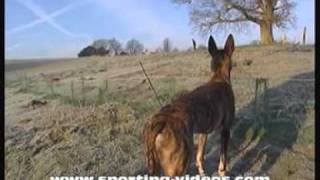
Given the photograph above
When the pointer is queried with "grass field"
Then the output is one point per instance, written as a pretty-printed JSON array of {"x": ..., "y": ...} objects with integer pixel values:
[{"x": 97, "y": 107}]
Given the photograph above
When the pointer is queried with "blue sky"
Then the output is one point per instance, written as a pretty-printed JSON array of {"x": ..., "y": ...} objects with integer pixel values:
[{"x": 61, "y": 28}]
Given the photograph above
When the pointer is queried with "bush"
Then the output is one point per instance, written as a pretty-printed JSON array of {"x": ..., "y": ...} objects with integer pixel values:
[
  {"x": 102, "y": 51},
  {"x": 87, "y": 51}
]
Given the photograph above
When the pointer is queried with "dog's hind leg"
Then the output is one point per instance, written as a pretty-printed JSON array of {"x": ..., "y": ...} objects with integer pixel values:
[
  {"x": 225, "y": 136},
  {"x": 202, "y": 140}
]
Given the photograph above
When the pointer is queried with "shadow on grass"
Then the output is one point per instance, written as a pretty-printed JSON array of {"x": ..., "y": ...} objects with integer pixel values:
[{"x": 264, "y": 142}]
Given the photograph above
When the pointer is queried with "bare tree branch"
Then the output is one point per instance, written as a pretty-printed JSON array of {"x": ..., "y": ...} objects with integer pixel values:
[
  {"x": 246, "y": 11},
  {"x": 207, "y": 15}
]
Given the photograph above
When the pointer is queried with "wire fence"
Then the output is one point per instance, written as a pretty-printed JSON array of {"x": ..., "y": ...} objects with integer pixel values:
[
  {"x": 265, "y": 99},
  {"x": 258, "y": 99}
]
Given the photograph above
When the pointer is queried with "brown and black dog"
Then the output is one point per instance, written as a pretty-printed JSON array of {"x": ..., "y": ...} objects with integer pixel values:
[{"x": 169, "y": 133}]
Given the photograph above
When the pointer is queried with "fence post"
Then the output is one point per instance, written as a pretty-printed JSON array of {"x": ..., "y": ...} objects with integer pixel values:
[
  {"x": 82, "y": 90},
  {"x": 304, "y": 35},
  {"x": 194, "y": 45},
  {"x": 106, "y": 84},
  {"x": 260, "y": 99},
  {"x": 100, "y": 96},
  {"x": 72, "y": 91},
  {"x": 50, "y": 84}
]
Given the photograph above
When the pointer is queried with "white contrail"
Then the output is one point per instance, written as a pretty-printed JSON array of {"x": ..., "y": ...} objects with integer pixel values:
[
  {"x": 45, "y": 18},
  {"x": 42, "y": 20}
]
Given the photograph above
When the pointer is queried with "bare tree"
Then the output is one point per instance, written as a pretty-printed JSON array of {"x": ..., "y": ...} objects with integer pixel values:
[
  {"x": 101, "y": 43},
  {"x": 167, "y": 45},
  {"x": 236, "y": 14},
  {"x": 134, "y": 47},
  {"x": 115, "y": 45},
  {"x": 108, "y": 44}
]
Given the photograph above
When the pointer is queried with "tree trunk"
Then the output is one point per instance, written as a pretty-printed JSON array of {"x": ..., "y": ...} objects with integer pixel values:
[{"x": 266, "y": 33}]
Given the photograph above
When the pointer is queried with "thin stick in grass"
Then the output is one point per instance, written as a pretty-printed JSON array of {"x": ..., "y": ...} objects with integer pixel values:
[{"x": 154, "y": 91}]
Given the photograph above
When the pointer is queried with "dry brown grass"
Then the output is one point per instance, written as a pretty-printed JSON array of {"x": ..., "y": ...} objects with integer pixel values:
[
  {"x": 76, "y": 140},
  {"x": 67, "y": 137}
]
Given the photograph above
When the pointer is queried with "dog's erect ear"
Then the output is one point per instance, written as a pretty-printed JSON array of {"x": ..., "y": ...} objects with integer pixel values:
[
  {"x": 229, "y": 46},
  {"x": 212, "y": 48}
]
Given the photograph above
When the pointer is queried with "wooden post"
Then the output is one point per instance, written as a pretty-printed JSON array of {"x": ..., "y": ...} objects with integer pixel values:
[
  {"x": 260, "y": 99},
  {"x": 304, "y": 35},
  {"x": 100, "y": 96},
  {"x": 106, "y": 85},
  {"x": 82, "y": 90},
  {"x": 194, "y": 44},
  {"x": 72, "y": 91},
  {"x": 51, "y": 88}
]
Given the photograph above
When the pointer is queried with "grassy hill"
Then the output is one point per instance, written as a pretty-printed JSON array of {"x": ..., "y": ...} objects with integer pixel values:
[{"x": 95, "y": 110}]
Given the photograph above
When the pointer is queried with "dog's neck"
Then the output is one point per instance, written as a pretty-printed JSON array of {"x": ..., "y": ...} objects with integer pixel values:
[{"x": 220, "y": 77}]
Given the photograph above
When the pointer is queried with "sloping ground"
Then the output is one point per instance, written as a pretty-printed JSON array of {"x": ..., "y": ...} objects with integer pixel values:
[{"x": 103, "y": 135}]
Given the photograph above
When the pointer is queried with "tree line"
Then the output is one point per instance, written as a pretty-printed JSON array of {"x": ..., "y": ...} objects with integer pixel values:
[{"x": 103, "y": 47}]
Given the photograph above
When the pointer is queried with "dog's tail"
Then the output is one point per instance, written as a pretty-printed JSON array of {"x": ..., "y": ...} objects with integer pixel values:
[{"x": 151, "y": 130}]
